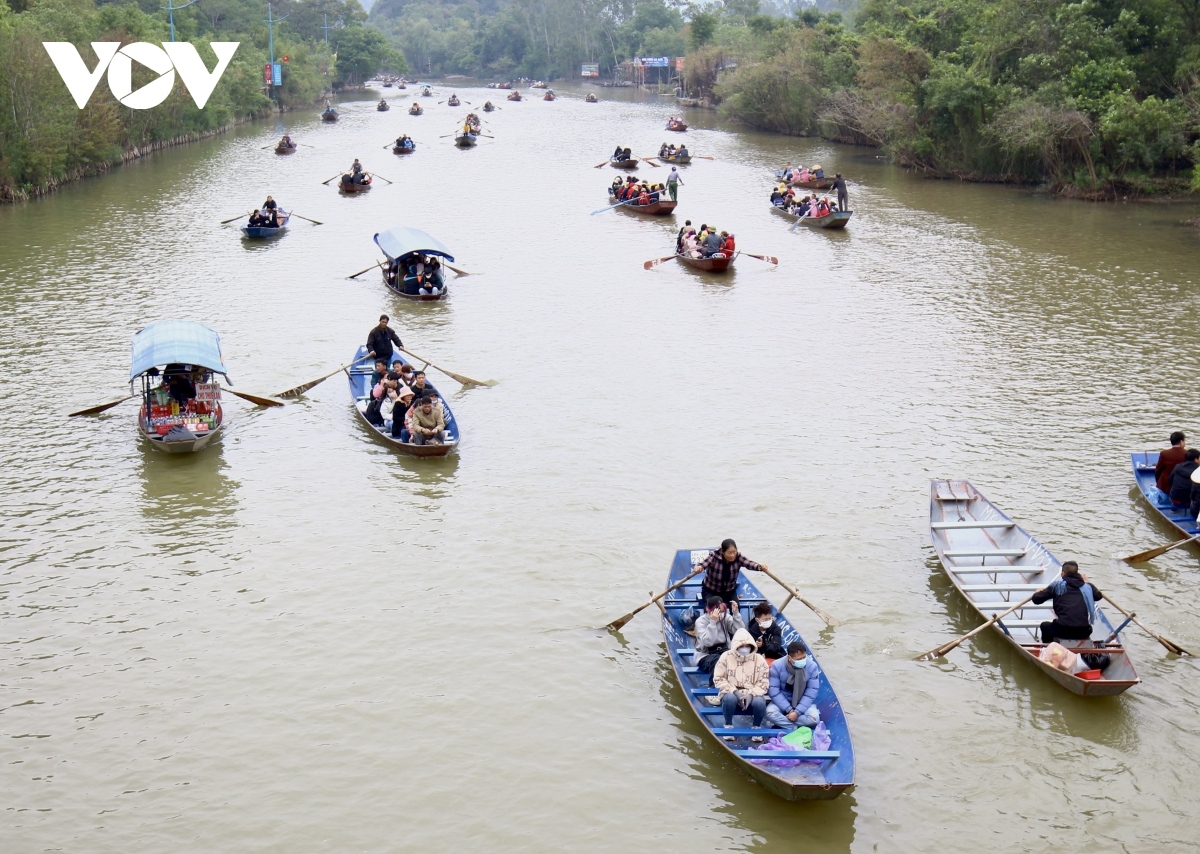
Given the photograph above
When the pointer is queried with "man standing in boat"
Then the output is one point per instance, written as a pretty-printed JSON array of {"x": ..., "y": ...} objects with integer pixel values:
[
  {"x": 722, "y": 568},
  {"x": 673, "y": 183},
  {"x": 380, "y": 340},
  {"x": 1074, "y": 605},
  {"x": 843, "y": 198}
]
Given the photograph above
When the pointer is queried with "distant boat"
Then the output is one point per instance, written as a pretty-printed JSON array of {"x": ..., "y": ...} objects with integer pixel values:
[
  {"x": 833, "y": 219},
  {"x": 994, "y": 564},
  {"x": 399, "y": 245},
  {"x": 283, "y": 149},
  {"x": 329, "y": 115},
  {"x": 718, "y": 263},
  {"x": 416, "y": 109},
  {"x": 189, "y": 354},
  {"x": 404, "y": 149},
  {"x": 514, "y": 95},
  {"x": 465, "y": 140},
  {"x": 267, "y": 231},
  {"x": 676, "y": 125},
  {"x": 675, "y": 158},
  {"x": 360, "y": 396},
  {"x": 631, "y": 163},
  {"x": 1143, "y": 474},
  {"x": 823, "y": 774},
  {"x": 348, "y": 185},
  {"x": 383, "y": 106},
  {"x": 662, "y": 207}
]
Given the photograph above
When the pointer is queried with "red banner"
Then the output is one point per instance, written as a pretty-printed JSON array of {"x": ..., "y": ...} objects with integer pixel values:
[{"x": 267, "y": 74}]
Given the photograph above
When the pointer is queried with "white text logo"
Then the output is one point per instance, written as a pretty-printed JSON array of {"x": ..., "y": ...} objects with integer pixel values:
[{"x": 164, "y": 61}]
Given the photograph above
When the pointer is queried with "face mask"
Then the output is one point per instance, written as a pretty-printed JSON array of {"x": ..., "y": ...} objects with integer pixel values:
[
  {"x": 743, "y": 651},
  {"x": 766, "y": 624},
  {"x": 799, "y": 665}
]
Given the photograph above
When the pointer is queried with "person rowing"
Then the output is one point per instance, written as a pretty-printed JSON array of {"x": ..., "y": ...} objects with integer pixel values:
[{"x": 1074, "y": 600}]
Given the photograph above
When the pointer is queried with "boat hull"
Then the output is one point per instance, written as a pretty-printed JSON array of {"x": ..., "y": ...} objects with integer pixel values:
[
  {"x": 465, "y": 141},
  {"x": 678, "y": 128},
  {"x": 1143, "y": 475},
  {"x": 418, "y": 297},
  {"x": 382, "y": 109},
  {"x": 715, "y": 264},
  {"x": 836, "y": 219},
  {"x": 359, "y": 382},
  {"x": 198, "y": 442},
  {"x": 997, "y": 564},
  {"x": 825, "y": 779},
  {"x": 675, "y": 160},
  {"x": 416, "y": 112},
  {"x": 631, "y": 163},
  {"x": 281, "y": 150},
  {"x": 329, "y": 117},
  {"x": 263, "y": 232},
  {"x": 350, "y": 188},
  {"x": 659, "y": 208},
  {"x": 396, "y": 149}
]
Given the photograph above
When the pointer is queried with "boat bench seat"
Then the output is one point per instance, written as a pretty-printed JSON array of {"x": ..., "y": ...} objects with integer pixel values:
[
  {"x": 1004, "y": 606},
  {"x": 999, "y": 588},
  {"x": 985, "y": 553},
  {"x": 977, "y": 570},
  {"x": 695, "y": 603},
  {"x": 787, "y": 754},
  {"x": 950, "y": 526},
  {"x": 1021, "y": 624},
  {"x": 703, "y": 692}
]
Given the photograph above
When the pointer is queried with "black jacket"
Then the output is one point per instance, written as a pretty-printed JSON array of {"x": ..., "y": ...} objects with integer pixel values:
[
  {"x": 772, "y": 639},
  {"x": 1069, "y": 608},
  {"x": 379, "y": 342},
  {"x": 1181, "y": 481}
]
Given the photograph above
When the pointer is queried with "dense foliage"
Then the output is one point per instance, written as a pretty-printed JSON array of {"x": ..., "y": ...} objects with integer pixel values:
[
  {"x": 1094, "y": 94},
  {"x": 45, "y": 138}
]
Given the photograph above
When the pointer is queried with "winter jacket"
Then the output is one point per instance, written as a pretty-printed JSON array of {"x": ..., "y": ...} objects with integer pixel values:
[
  {"x": 772, "y": 646},
  {"x": 783, "y": 680},
  {"x": 712, "y": 634},
  {"x": 722, "y": 576},
  {"x": 736, "y": 673},
  {"x": 431, "y": 420},
  {"x": 1070, "y": 609},
  {"x": 1167, "y": 460},
  {"x": 1181, "y": 482}
]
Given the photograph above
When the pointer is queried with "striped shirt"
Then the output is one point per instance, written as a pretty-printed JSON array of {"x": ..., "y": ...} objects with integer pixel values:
[{"x": 722, "y": 576}]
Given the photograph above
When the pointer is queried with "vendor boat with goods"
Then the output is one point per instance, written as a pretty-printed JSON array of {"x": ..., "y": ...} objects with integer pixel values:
[{"x": 175, "y": 362}]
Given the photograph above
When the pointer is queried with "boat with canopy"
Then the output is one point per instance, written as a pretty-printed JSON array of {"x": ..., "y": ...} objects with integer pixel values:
[
  {"x": 176, "y": 363},
  {"x": 402, "y": 246}
]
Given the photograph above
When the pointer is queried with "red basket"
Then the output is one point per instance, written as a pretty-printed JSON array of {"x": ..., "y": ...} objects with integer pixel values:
[{"x": 1091, "y": 675}]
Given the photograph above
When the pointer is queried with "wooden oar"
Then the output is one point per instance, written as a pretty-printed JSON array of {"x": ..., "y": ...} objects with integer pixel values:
[
  {"x": 598, "y": 165},
  {"x": 96, "y": 410},
  {"x": 300, "y": 389},
  {"x": 656, "y": 262},
  {"x": 619, "y": 623},
  {"x": 1170, "y": 645},
  {"x": 602, "y": 210},
  {"x": 829, "y": 621},
  {"x": 1150, "y": 554},
  {"x": 313, "y": 221},
  {"x": 369, "y": 269},
  {"x": 938, "y": 652},
  {"x": 233, "y": 218},
  {"x": 650, "y": 160},
  {"x": 380, "y": 177},
  {"x": 253, "y": 398},
  {"x": 458, "y": 378},
  {"x": 768, "y": 258},
  {"x": 704, "y": 157},
  {"x": 335, "y": 176},
  {"x": 455, "y": 269},
  {"x": 306, "y": 145}
]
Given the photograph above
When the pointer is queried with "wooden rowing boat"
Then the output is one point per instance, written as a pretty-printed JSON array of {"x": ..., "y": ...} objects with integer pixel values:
[
  {"x": 677, "y": 126},
  {"x": 283, "y": 149},
  {"x": 190, "y": 350},
  {"x": 398, "y": 245},
  {"x": 993, "y": 563},
  {"x": 348, "y": 186},
  {"x": 718, "y": 263},
  {"x": 514, "y": 96},
  {"x": 266, "y": 231},
  {"x": 400, "y": 149},
  {"x": 330, "y": 115},
  {"x": 1143, "y": 474},
  {"x": 383, "y": 106},
  {"x": 549, "y": 96},
  {"x": 465, "y": 140},
  {"x": 811, "y": 184},
  {"x": 660, "y": 208},
  {"x": 835, "y": 219},
  {"x": 631, "y": 163},
  {"x": 824, "y": 774},
  {"x": 416, "y": 110},
  {"x": 360, "y": 396},
  {"x": 675, "y": 158},
  {"x": 591, "y": 98}
]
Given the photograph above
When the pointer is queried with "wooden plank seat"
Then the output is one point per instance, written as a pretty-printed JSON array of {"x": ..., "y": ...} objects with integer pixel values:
[
  {"x": 1004, "y": 606},
  {"x": 764, "y": 732},
  {"x": 977, "y": 570},
  {"x": 950, "y": 526},
  {"x": 787, "y": 754},
  {"x": 1021, "y": 624},
  {"x": 985, "y": 553},
  {"x": 703, "y": 692},
  {"x": 680, "y": 604},
  {"x": 1000, "y": 588}
]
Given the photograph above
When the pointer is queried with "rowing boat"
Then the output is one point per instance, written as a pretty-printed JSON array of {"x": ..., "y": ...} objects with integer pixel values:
[
  {"x": 283, "y": 149},
  {"x": 1143, "y": 474},
  {"x": 465, "y": 140},
  {"x": 718, "y": 263},
  {"x": 824, "y": 774},
  {"x": 400, "y": 245},
  {"x": 631, "y": 163},
  {"x": 400, "y": 149},
  {"x": 660, "y": 208},
  {"x": 347, "y": 185},
  {"x": 263, "y": 231},
  {"x": 994, "y": 563},
  {"x": 549, "y": 96},
  {"x": 330, "y": 115},
  {"x": 811, "y": 184},
  {"x": 416, "y": 109},
  {"x": 834, "y": 219},
  {"x": 514, "y": 96},
  {"x": 677, "y": 126},
  {"x": 383, "y": 106},
  {"x": 675, "y": 158},
  {"x": 190, "y": 356},
  {"x": 360, "y": 396}
]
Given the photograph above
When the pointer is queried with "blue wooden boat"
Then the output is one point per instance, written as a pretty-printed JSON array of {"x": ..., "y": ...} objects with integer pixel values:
[
  {"x": 1143, "y": 473},
  {"x": 994, "y": 564},
  {"x": 825, "y": 774},
  {"x": 265, "y": 231},
  {"x": 190, "y": 352},
  {"x": 399, "y": 245},
  {"x": 360, "y": 395}
]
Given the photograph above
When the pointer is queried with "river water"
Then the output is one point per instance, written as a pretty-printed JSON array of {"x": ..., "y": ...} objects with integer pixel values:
[{"x": 300, "y": 641}]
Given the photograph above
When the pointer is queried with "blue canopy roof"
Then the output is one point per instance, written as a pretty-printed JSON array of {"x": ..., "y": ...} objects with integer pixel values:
[
  {"x": 176, "y": 341},
  {"x": 398, "y": 242}
]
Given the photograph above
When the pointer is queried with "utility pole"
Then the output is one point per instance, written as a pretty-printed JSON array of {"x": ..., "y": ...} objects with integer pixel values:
[
  {"x": 271, "y": 22},
  {"x": 327, "y": 28},
  {"x": 171, "y": 7}
]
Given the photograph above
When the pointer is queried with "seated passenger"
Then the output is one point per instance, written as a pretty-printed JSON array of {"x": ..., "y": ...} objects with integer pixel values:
[
  {"x": 683, "y": 152},
  {"x": 662, "y": 150},
  {"x": 380, "y": 372},
  {"x": 794, "y": 681},
  {"x": 420, "y": 385},
  {"x": 714, "y": 629},
  {"x": 616, "y": 155},
  {"x": 626, "y": 155},
  {"x": 428, "y": 426},
  {"x": 767, "y": 633},
  {"x": 728, "y": 247},
  {"x": 1181, "y": 479},
  {"x": 742, "y": 678},
  {"x": 256, "y": 219},
  {"x": 397, "y": 371},
  {"x": 804, "y": 176},
  {"x": 643, "y": 196},
  {"x": 818, "y": 172},
  {"x": 776, "y": 197},
  {"x": 712, "y": 244},
  {"x": 179, "y": 385},
  {"x": 615, "y": 189}
]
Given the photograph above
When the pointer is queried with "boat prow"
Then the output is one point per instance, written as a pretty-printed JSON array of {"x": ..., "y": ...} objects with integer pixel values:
[
  {"x": 822, "y": 774},
  {"x": 718, "y": 263},
  {"x": 1143, "y": 474},
  {"x": 994, "y": 564}
]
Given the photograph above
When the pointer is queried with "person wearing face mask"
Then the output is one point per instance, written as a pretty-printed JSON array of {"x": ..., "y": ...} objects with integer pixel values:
[
  {"x": 794, "y": 680},
  {"x": 723, "y": 566},
  {"x": 715, "y": 628},
  {"x": 767, "y": 633},
  {"x": 742, "y": 679}
]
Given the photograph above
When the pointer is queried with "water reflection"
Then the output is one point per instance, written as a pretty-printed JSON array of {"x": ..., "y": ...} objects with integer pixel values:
[
  {"x": 828, "y": 826},
  {"x": 184, "y": 493}
]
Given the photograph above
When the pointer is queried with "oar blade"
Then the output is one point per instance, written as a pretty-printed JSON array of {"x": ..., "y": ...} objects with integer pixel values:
[
  {"x": 299, "y": 390},
  {"x": 256, "y": 399},
  {"x": 619, "y": 623},
  {"x": 96, "y": 410}
]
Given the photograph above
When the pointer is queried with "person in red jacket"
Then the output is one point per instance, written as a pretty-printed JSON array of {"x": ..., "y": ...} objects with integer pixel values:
[
  {"x": 1168, "y": 459},
  {"x": 728, "y": 246}
]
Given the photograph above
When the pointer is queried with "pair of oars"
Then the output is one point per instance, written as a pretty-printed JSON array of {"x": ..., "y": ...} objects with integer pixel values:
[
  {"x": 276, "y": 145},
  {"x": 770, "y": 259},
  {"x": 619, "y": 623},
  {"x": 248, "y": 213},
  {"x": 606, "y": 162},
  {"x": 938, "y": 652},
  {"x": 253, "y": 398},
  {"x": 445, "y": 264},
  {"x": 372, "y": 174},
  {"x": 461, "y": 379}
]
